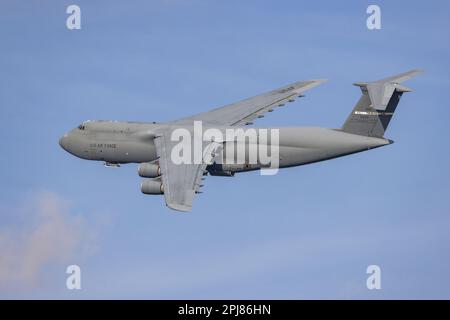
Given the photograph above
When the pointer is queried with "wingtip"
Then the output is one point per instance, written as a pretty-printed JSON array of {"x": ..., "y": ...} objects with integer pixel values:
[
  {"x": 418, "y": 71},
  {"x": 415, "y": 72},
  {"x": 179, "y": 207},
  {"x": 313, "y": 83},
  {"x": 319, "y": 81},
  {"x": 302, "y": 86}
]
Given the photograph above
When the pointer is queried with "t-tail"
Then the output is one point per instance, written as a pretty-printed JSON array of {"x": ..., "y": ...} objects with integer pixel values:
[{"x": 375, "y": 108}]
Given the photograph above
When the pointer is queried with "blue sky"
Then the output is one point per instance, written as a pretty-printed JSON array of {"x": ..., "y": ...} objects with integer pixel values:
[{"x": 307, "y": 232}]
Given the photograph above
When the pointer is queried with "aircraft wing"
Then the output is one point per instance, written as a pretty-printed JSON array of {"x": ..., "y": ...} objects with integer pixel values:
[
  {"x": 180, "y": 181},
  {"x": 243, "y": 112}
]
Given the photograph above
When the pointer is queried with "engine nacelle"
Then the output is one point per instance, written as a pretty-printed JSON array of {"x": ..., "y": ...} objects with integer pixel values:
[
  {"x": 149, "y": 186},
  {"x": 149, "y": 170}
]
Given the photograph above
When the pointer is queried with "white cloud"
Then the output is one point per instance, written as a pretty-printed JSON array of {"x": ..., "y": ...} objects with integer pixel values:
[{"x": 43, "y": 232}]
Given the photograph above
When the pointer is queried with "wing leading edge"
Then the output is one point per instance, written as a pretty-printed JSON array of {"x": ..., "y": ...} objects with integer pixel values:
[{"x": 243, "y": 112}]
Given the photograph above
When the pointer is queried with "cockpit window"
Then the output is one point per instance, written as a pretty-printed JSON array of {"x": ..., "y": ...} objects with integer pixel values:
[{"x": 81, "y": 127}]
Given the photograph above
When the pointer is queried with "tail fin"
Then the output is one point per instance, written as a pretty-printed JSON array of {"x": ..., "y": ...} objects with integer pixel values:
[{"x": 377, "y": 105}]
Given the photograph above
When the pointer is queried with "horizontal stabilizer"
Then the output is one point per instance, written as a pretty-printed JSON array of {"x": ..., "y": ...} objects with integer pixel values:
[
  {"x": 381, "y": 91},
  {"x": 374, "y": 110}
]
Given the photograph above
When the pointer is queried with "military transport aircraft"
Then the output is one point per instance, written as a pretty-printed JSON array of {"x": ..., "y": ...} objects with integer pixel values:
[{"x": 168, "y": 169}]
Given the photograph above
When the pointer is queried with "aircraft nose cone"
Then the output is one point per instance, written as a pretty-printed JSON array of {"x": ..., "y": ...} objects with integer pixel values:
[{"x": 63, "y": 142}]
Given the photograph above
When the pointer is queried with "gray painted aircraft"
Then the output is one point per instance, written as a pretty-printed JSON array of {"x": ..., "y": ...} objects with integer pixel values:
[{"x": 151, "y": 144}]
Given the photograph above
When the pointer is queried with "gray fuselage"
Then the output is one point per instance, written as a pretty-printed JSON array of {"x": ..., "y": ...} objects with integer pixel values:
[{"x": 117, "y": 142}]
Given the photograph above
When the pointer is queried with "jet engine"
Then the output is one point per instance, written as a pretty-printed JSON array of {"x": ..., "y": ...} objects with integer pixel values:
[
  {"x": 150, "y": 186},
  {"x": 149, "y": 170}
]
